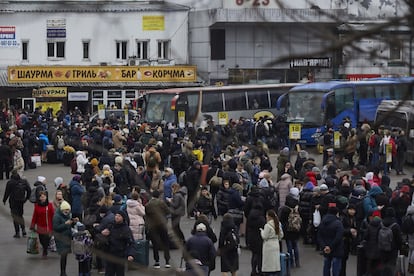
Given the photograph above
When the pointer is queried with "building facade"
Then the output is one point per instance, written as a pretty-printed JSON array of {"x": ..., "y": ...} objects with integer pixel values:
[{"x": 77, "y": 52}]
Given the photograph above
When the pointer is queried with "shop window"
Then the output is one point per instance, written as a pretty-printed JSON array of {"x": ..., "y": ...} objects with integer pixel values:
[
  {"x": 164, "y": 49},
  {"x": 56, "y": 49},
  {"x": 142, "y": 49},
  {"x": 114, "y": 94},
  {"x": 218, "y": 44},
  {"x": 97, "y": 94},
  {"x": 130, "y": 94},
  {"x": 121, "y": 50}
]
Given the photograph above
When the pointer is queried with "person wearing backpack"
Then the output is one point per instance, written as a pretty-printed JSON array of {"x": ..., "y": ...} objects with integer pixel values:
[
  {"x": 393, "y": 231},
  {"x": 228, "y": 246},
  {"x": 82, "y": 248},
  {"x": 407, "y": 227},
  {"x": 292, "y": 223},
  {"x": 152, "y": 160},
  {"x": 17, "y": 192}
]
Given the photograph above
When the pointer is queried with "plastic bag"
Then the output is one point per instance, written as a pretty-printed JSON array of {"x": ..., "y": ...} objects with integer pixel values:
[
  {"x": 316, "y": 218},
  {"x": 32, "y": 243},
  {"x": 52, "y": 244}
]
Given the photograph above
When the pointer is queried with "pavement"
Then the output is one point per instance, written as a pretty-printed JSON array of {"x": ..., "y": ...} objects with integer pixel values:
[{"x": 15, "y": 261}]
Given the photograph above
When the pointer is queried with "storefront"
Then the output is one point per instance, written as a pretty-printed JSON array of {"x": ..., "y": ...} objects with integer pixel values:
[{"x": 86, "y": 87}]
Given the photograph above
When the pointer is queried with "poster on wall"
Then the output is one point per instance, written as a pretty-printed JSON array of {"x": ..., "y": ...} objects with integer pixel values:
[
  {"x": 8, "y": 37},
  {"x": 45, "y": 105}
]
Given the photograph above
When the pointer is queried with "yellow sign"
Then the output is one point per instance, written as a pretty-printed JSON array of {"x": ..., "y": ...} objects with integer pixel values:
[
  {"x": 337, "y": 139},
  {"x": 388, "y": 153},
  {"x": 45, "y": 105},
  {"x": 294, "y": 131},
  {"x": 223, "y": 118},
  {"x": 55, "y": 92},
  {"x": 181, "y": 119},
  {"x": 18, "y": 74},
  {"x": 153, "y": 23}
]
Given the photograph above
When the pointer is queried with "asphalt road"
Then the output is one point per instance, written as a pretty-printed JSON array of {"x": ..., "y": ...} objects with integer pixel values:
[{"x": 15, "y": 261}]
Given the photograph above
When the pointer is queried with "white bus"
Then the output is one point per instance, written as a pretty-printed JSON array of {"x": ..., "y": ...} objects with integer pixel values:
[{"x": 217, "y": 103}]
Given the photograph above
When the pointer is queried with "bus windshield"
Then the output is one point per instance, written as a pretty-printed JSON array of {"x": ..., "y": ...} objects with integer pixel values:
[
  {"x": 305, "y": 107},
  {"x": 158, "y": 107}
]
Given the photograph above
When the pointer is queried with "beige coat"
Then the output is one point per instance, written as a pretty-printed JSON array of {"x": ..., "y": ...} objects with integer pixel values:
[{"x": 270, "y": 249}]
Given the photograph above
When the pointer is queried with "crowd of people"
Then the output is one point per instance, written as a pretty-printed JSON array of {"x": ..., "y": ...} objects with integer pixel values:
[{"x": 136, "y": 181}]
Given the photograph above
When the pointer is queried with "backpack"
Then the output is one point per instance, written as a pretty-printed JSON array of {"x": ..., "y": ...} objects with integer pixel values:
[
  {"x": 407, "y": 224},
  {"x": 79, "y": 244},
  {"x": 385, "y": 237},
  {"x": 294, "y": 220},
  {"x": 19, "y": 191},
  {"x": 182, "y": 178},
  {"x": 271, "y": 197},
  {"x": 34, "y": 193},
  {"x": 60, "y": 142},
  {"x": 216, "y": 181},
  {"x": 231, "y": 240},
  {"x": 152, "y": 160},
  {"x": 107, "y": 142},
  {"x": 74, "y": 166}
]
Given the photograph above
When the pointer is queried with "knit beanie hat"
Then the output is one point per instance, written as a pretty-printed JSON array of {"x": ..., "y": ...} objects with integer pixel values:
[{"x": 64, "y": 206}]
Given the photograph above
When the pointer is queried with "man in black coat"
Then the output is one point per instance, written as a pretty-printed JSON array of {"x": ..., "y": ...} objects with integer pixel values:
[
  {"x": 121, "y": 245},
  {"x": 17, "y": 192},
  {"x": 5, "y": 159},
  {"x": 330, "y": 237}
]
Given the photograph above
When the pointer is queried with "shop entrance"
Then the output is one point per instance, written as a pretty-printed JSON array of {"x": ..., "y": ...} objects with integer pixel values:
[
  {"x": 82, "y": 105},
  {"x": 27, "y": 104}
]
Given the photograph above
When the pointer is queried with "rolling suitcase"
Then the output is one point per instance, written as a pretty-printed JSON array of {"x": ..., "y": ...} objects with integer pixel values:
[
  {"x": 284, "y": 264},
  {"x": 141, "y": 248},
  {"x": 400, "y": 267}
]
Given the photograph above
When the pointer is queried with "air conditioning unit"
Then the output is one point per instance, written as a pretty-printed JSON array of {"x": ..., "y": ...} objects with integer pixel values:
[
  {"x": 164, "y": 62},
  {"x": 138, "y": 62}
]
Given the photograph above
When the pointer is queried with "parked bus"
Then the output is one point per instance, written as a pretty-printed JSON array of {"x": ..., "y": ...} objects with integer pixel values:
[
  {"x": 398, "y": 115},
  {"x": 314, "y": 105},
  {"x": 217, "y": 103}
]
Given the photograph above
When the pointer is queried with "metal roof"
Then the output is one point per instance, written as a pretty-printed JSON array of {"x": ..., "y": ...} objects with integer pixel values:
[
  {"x": 5, "y": 83},
  {"x": 89, "y": 6}
]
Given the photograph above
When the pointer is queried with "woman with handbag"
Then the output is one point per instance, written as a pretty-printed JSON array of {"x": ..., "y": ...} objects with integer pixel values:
[{"x": 42, "y": 220}]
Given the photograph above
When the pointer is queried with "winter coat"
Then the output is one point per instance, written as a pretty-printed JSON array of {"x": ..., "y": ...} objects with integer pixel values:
[
  {"x": 369, "y": 202},
  {"x": 171, "y": 179},
  {"x": 42, "y": 219},
  {"x": 18, "y": 163},
  {"x": 222, "y": 198},
  {"x": 81, "y": 161},
  {"x": 177, "y": 206},
  {"x": 255, "y": 196},
  {"x": 120, "y": 240},
  {"x": 76, "y": 191},
  {"x": 229, "y": 256},
  {"x": 205, "y": 205},
  {"x": 136, "y": 213},
  {"x": 370, "y": 240},
  {"x": 45, "y": 141},
  {"x": 410, "y": 211},
  {"x": 157, "y": 157},
  {"x": 392, "y": 255},
  {"x": 9, "y": 193},
  {"x": 235, "y": 201},
  {"x": 271, "y": 250},
  {"x": 201, "y": 243},
  {"x": 283, "y": 186},
  {"x": 118, "y": 139},
  {"x": 255, "y": 221},
  {"x": 330, "y": 234},
  {"x": 62, "y": 232},
  {"x": 156, "y": 212}
]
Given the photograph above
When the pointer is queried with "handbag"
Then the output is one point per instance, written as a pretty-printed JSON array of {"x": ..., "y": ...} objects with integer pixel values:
[
  {"x": 52, "y": 244},
  {"x": 32, "y": 243},
  {"x": 316, "y": 218},
  {"x": 237, "y": 215},
  {"x": 405, "y": 249},
  {"x": 216, "y": 181}
]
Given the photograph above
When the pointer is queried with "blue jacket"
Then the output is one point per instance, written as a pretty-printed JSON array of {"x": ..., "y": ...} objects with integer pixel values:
[
  {"x": 201, "y": 243},
  {"x": 45, "y": 141},
  {"x": 76, "y": 190},
  {"x": 167, "y": 185},
  {"x": 369, "y": 202}
]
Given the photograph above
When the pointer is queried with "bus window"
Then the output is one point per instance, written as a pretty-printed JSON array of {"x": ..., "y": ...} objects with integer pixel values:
[
  {"x": 258, "y": 99},
  {"x": 365, "y": 92},
  {"x": 330, "y": 107},
  {"x": 235, "y": 101},
  {"x": 212, "y": 102},
  {"x": 343, "y": 100},
  {"x": 383, "y": 92},
  {"x": 192, "y": 100}
]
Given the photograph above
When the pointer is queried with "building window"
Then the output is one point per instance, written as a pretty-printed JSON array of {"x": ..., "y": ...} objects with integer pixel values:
[
  {"x": 395, "y": 50},
  {"x": 218, "y": 44},
  {"x": 163, "y": 49},
  {"x": 25, "y": 47},
  {"x": 121, "y": 50},
  {"x": 56, "y": 49},
  {"x": 85, "y": 49},
  {"x": 142, "y": 49}
]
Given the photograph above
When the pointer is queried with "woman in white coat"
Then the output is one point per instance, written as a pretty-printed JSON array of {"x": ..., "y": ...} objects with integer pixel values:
[
  {"x": 81, "y": 161},
  {"x": 271, "y": 234},
  {"x": 136, "y": 213}
]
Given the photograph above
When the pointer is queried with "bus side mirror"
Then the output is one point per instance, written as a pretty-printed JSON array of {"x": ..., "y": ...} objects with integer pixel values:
[{"x": 411, "y": 134}]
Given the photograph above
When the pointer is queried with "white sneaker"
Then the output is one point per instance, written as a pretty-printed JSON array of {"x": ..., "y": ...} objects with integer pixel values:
[
  {"x": 157, "y": 265},
  {"x": 167, "y": 266}
]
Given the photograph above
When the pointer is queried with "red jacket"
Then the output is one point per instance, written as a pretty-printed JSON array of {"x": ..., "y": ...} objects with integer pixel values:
[{"x": 43, "y": 218}]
